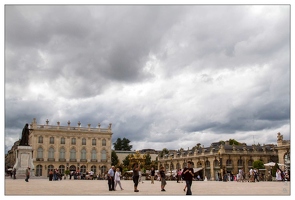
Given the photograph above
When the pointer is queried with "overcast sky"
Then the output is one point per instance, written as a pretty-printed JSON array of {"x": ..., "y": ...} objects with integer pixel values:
[{"x": 164, "y": 76}]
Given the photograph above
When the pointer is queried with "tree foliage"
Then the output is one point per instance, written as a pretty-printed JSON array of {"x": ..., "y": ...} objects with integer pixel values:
[
  {"x": 258, "y": 164},
  {"x": 122, "y": 144},
  {"x": 164, "y": 152},
  {"x": 148, "y": 159},
  {"x": 233, "y": 142},
  {"x": 114, "y": 158},
  {"x": 126, "y": 161}
]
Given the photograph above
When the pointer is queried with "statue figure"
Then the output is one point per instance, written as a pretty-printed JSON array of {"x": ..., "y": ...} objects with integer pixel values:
[
  {"x": 25, "y": 136},
  {"x": 280, "y": 137}
]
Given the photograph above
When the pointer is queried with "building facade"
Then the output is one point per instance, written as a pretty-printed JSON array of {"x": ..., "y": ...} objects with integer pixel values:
[
  {"x": 70, "y": 147},
  {"x": 219, "y": 158}
]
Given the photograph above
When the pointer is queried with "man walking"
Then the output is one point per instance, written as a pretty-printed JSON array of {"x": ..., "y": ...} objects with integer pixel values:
[
  {"x": 188, "y": 173},
  {"x": 27, "y": 174},
  {"x": 111, "y": 181},
  {"x": 152, "y": 175}
]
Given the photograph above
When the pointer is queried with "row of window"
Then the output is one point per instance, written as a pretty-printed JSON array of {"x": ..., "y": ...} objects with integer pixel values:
[
  {"x": 73, "y": 141},
  {"x": 73, "y": 153},
  {"x": 215, "y": 163}
]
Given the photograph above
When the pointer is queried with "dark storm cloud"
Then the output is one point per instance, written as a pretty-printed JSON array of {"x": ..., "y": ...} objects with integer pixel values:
[{"x": 155, "y": 72}]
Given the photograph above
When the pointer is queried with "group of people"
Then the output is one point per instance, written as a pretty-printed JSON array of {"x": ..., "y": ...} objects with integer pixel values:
[
  {"x": 282, "y": 176},
  {"x": 55, "y": 175},
  {"x": 114, "y": 177}
]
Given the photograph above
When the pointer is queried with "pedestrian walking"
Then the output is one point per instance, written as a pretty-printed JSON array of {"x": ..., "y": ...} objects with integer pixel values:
[
  {"x": 278, "y": 175},
  {"x": 27, "y": 174},
  {"x": 163, "y": 179},
  {"x": 50, "y": 175},
  {"x": 188, "y": 173},
  {"x": 255, "y": 172},
  {"x": 111, "y": 181},
  {"x": 136, "y": 169},
  {"x": 152, "y": 175},
  {"x": 118, "y": 179},
  {"x": 14, "y": 173}
]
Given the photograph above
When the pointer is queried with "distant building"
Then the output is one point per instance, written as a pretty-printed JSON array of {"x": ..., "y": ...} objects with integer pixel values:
[
  {"x": 68, "y": 147},
  {"x": 220, "y": 158},
  {"x": 123, "y": 154}
]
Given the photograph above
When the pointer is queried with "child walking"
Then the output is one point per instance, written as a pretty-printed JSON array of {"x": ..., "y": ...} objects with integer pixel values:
[{"x": 117, "y": 178}]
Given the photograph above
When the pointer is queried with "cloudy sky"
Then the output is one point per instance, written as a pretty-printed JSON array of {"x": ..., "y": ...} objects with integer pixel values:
[{"x": 165, "y": 76}]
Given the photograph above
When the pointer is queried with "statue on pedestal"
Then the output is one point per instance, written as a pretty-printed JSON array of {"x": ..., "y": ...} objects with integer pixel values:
[{"x": 25, "y": 136}]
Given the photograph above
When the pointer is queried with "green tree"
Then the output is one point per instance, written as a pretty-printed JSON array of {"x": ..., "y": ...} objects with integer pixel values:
[
  {"x": 126, "y": 161},
  {"x": 233, "y": 142},
  {"x": 164, "y": 152},
  {"x": 148, "y": 159},
  {"x": 122, "y": 144},
  {"x": 115, "y": 159},
  {"x": 118, "y": 144},
  {"x": 258, "y": 164}
]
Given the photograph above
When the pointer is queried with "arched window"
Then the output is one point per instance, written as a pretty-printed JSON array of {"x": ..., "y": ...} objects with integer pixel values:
[
  {"x": 93, "y": 168},
  {"x": 207, "y": 164},
  {"x": 93, "y": 142},
  {"x": 83, "y": 169},
  {"x": 38, "y": 170},
  {"x": 40, "y": 139},
  {"x": 40, "y": 153},
  {"x": 250, "y": 163},
  {"x": 61, "y": 169},
  {"x": 228, "y": 163},
  {"x": 103, "y": 155},
  {"x": 83, "y": 141},
  {"x": 62, "y": 140},
  {"x": 103, "y": 169},
  {"x": 104, "y": 142},
  {"x": 83, "y": 154},
  {"x": 51, "y": 154},
  {"x": 73, "y": 154},
  {"x": 93, "y": 155},
  {"x": 216, "y": 164},
  {"x": 171, "y": 166},
  {"x": 240, "y": 163}
]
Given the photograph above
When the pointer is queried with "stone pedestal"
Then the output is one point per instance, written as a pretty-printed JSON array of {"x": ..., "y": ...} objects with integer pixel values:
[{"x": 24, "y": 159}]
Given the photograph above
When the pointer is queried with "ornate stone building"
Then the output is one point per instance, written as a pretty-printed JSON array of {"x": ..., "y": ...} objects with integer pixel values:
[
  {"x": 219, "y": 158},
  {"x": 70, "y": 147}
]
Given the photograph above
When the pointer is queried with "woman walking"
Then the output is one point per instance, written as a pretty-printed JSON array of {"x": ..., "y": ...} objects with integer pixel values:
[
  {"x": 136, "y": 169},
  {"x": 117, "y": 178}
]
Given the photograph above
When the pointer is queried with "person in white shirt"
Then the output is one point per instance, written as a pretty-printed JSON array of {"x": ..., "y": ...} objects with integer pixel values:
[
  {"x": 278, "y": 175},
  {"x": 117, "y": 178}
]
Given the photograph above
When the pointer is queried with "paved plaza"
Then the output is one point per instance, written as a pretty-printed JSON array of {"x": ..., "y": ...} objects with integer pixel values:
[{"x": 100, "y": 188}]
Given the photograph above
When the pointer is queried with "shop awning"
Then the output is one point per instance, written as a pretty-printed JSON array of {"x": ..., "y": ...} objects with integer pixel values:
[{"x": 197, "y": 169}]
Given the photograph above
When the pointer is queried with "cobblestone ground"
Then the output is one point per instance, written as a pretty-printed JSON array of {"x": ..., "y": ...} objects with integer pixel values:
[{"x": 100, "y": 187}]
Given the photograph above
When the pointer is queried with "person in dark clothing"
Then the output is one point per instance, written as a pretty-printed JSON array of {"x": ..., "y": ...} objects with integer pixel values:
[
  {"x": 136, "y": 169},
  {"x": 50, "y": 175},
  {"x": 111, "y": 180},
  {"x": 14, "y": 173},
  {"x": 188, "y": 174},
  {"x": 152, "y": 175},
  {"x": 27, "y": 174},
  {"x": 163, "y": 179}
]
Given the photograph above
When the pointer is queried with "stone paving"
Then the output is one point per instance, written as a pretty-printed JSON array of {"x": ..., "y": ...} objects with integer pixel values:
[{"x": 100, "y": 187}]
